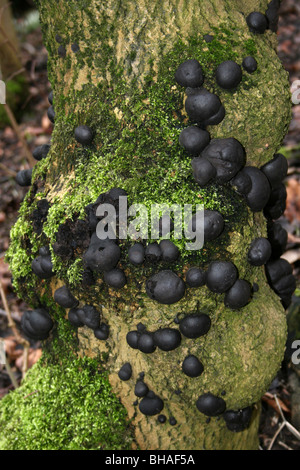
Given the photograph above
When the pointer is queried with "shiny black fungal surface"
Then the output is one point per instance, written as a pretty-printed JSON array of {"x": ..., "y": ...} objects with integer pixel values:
[
  {"x": 132, "y": 339},
  {"x": 260, "y": 192},
  {"x": 23, "y": 177},
  {"x": 41, "y": 152},
  {"x": 102, "y": 332},
  {"x": 169, "y": 251},
  {"x": 172, "y": 421},
  {"x": 151, "y": 405},
  {"x": 167, "y": 339},
  {"x": 238, "y": 421},
  {"x": 165, "y": 287},
  {"x": 195, "y": 325},
  {"x": 153, "y": 252},
  {"x": 73, "y": 318},
  {"x": 276, "y": 170},
  {"x": 204, "y": 172},
  {"x": 260, "y": 251},
  {"x": 190, "y": 74},
  {"x": 242, "y": 183},
  {"x": 250, "y": 64},
  {"x": 125, "y": 372},
  {"x": 229, "y": 74},
  {"x": 213, "y": 224},
  {"x": 227, "y": 157},
  {"x": 272, "y": 15},
  {"x": 161, "y": 419},
  {"x": 280, "y": 277},
  {"x": 204, "y": 107},
  {"x": 210, "y": 405},
  {"x": 84, "y": 135},
  {"x": 64, "y": 298},
  {"x": 146, "y": 343},
  {"x": 277, "y": 203},
  {"x": 90, "y": 316},
  {"x": 37, "y": 324},
  {"x": 221, "y": 275},
  {"x": 102, "y": 255},
  {"x": 194, "y": 140},
  {"x": 140, "y": 389},
  {"x": 195, "y": 277},
  {"x": 51, "y": 114},
  {"x": 115, "y": 278},
  {"x": 257, "y": 22},
  {"x": 192, "y": 367},
  {"x": 42, "y": 266},
  {"x": 278, "y": 238},
  {"x": 136, "y": 254},
  {"x": 239, "y": 295}
]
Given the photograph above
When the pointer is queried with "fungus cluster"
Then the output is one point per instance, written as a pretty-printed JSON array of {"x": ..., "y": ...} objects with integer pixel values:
[
  {"x": 210, "y": 405},
  {"x": 280, "y": 277},
  {"x": 42, "y": 265},
  {"x": 37, "y": 324},
  {"x": 238, "y": 421}
]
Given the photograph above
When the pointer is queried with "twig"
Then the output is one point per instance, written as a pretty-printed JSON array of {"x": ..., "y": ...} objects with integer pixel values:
[
  {"x": 14, "y": 74},
  {"x": 282, "y": 444},
  {"x": 11, "y": 375},
  {"x": 8, "y": 171},
  {"x": 276, "y": 435},
  {"x": 284, "y": 424},
  {"x": 14, "y": 315}
]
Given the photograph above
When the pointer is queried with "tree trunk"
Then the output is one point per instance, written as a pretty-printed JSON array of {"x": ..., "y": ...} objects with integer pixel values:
[{"x": 120, "y": 82}]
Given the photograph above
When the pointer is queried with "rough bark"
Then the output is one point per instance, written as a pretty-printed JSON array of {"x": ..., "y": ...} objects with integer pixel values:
[{"x": 121, "y": 83}]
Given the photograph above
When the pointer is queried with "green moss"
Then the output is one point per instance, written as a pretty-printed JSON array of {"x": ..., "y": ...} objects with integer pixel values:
[{"x": 16, "y": 91}]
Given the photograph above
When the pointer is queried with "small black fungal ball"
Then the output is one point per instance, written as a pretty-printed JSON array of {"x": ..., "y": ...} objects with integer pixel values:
[
  {"x": 194, "y": 140},
  {"x": 210, "y": 405},
  {"x": 132, "y": 339},
  {"x": 73, "y": 318},
  {"x": 140, "y": 327},
  {"x": 153, "y": 252},
  {"x": 257, "y": 22},
  {"x": 195, "y": 277},
  {"x": 75, "y": 48},
  {"x": 84, "y": 135},
  {"x": 167, "y": 339},
  {"x": 151, "y": 405},
  {"x": 169, "y": 251},
  {"x": 223, "y": 393},
  {"x": 64, "y": 298},
  {"x": 136, "y": 254},
  {"x": 23, "y": 177},
  {"x": 260, "y": 192},
  {"x": 115, "y": 278},
  {"x": 195, "y": 325},
  {"x": 213, "y": 224},
  {"x": 50, "y": 97},
  {"x": 37, "y": 324},
  {"x": 165, "y": 225},
  {"x": 229, "y": 74},
  {"x": 280, "y": 278},
  {"x": 90, "y": 316},
  {"x": 165, "y": 287},
  {"x": 221, "y": 275},
  {"x": 239, "y": 295},
  {"x": 145, "y": 343},
  {"x": 140, "y": 389},
  {"x": 272, "y": 15},
  {"x": 203, "y": 171},
  {"x": 44, "y": 251},
  {"x": 250, "y": 64},
  {"x": 41, "y": 152},
  {"x": 278, "y": 238},
  {"x": 125, "y": 372},
  {"x": 135, "y": 403},
  {"x": 62, "y": 51},
  {"x": 58, "y": 38},
  {"x": 208, "y": 37},
  {"x": 242, "y": 183},
  {"x": 190, "y": 74},
  {"x": 161, "y": 419},
  {"x": 102, "y": 255},
  {"x": 42, "y": 266},
  {"x": 277, "y": 203},
  {"x": 260, "y": 252},
  {"x": 172, "y": 421},
  {"x": 227, "y": 156},
  {"x": 204, "y": 107},
  {"x": 51, "y": 114},
  {"x": 255, "y": 287},
  {"x": 192, "y": 367},
  {"x": 276, "y": 170},
  {"x": 142, "y": 375},
  {"x": 102, "y": 332},
  {"x": 238, "y": 421}
]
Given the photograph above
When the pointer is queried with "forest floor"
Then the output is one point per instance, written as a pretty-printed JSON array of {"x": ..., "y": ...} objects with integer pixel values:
[{"x": 281, "y": 404}]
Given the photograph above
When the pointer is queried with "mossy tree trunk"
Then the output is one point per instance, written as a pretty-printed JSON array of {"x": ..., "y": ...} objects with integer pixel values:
[{"x": 120, "y": 82}]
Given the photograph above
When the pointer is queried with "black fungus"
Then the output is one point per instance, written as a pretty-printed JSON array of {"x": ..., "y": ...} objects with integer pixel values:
[
  {"x": 75, "y": 48},
  {"x": 204, "y": 107},
  {"x": 281, "y": 279},
  {"x": 37, "y": 324},
  {"x": 73, "y": 318},
  {"x": 276, "y": 170},
  {"x": 221, "y": 275},
  {"x": 39, "y": 215},
  {"x": 238, "y": 421},
  {"x": 102, "y": 255},
  {"x": 210, "y": 405},
  {"x": 278, "y": 238},
  {"x": 195, "y": 325},
  {"x": 239, "y": 295},
  {"x": 167, "y": 339},
  {"x": 272, "y": 14},
  {"x": 229, "y": 74},
  {"x": 51, "y": 114},
  {"x": 161, "y": 419},
  {"x": 208, "y": 37},
  {"x": 23, "y": 177},
  {"x": 190, "y": 74},
  {"x": 169, "y": 251},
  {"x": 125, "y": 372},
  {"x": 62, "y": 51},
  {"x": 255, "y": 287},
  {"x": 151, "y": 405},
  {"x": 192, "y": 367},
  {"x": 84, "y": 135},
  {"x": 115, "y": 278},
  {"x": 250, "y": 64},
  {"x": 260, "y": 251},
  {"x": 58, "y": 38},
  {"x": 195, "y": 277},
  {"x": 50, "y": 97},
  {"x": 145, "y": 343},
  {"x": 277, "y": 203},
  {"x": 41, "y": 152},
  {"x": 136, "y": 254},
  {"x": 213, "y": 224},
  {"x": 42, "y": 266},
  {"x": 242, "y": 183},
  {"x": 227, "y": 156},
  {"x": 90, "y": 316},
  {"x": 102, "y": 332},
  {"x": 44, "y": 251},
  {"x": 153, "y": 252},
  {"x": 140, "y": 389},
  {"x": 260, "y": 192},
  {"x": 132, "y": 339},
  {"x": 257, "y": 22},
  {"x": 203, "y": 171},
  {"x": 64, "y": 298},
  {"x": 165, "y": 287},
  {"x": 194, "y": 140},
  {"x": 172, "y": 421}
]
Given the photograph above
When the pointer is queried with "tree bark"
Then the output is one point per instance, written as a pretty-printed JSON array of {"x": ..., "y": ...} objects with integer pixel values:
[{"x": 121, "y": 83}]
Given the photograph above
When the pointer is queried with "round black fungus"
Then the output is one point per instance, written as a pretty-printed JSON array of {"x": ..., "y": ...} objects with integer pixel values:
[
  {"x": 153, "y": 252},
  {"x": 215, "y": 118},
  {"x": 208, "y": 38},
  {"x": 172, "y": 421},
  {"x": 73, "y": 318},
  {"x": 242, "y": 183},
  {"x": 75, "y": 48},
  {"x": 62, "y": 51},
  {"x": 278, "y": 238},
  {"x": 239, "y": 295},
  {"x": 51, "y": 114},
  {"x": 102, "y": 255},
  {"x": 151, "y": 406},
  {"x": 190, "y": 74},
  {"x": 167, "y": 339},
  {"x": 260, "y": 192},
  {"x": 84, "y": 135},
  {"x": 250, "y": 64},
  {"x": 277, "y": 203},
  {"x": 203, "y": 106},
  {"x": 227, "y": 156},
  {"x": 115, "y": 278},
  {"x": 102, "y": 332},
  {"x": 64, "y": 298},
  {"x": 260, "y": 252},
  {"x": 42, "y": 266},
  {"x": 90, "y": 316},
  {"x": 125, "y": 372},
  {"x": 213, "y": 224},
  {"x": 161, "y": 419},
  {"x": 145, "y": 343},
  {"x": 140, "y": 327},
  {"x": 165, "y": 225},
  {"x": 169, "y": 251},
  {"x": 281, "y": 279},
  {"x": 132, "y": 339},
  {"x": 195, "y": 325},
  {"x": 255, "y": 287},
  {"x": 272, "y": 14},
  {"x": 203, "y": 171},
  {"x": 50, "y": 97},
  {"x": 221, "y": 275},
  {"x": 238, "y": 421},
  {"x": 23, "y": 177},
  {"x": 165, "y": 287},
  {"x": 37, "y": 324},
  {"x": 276, "y": 170},
  {"x": 41, "y": 152},
  {"x": 229, "y": 74},
  {"x": 210, "y": 405},
  {"x": 135, "y": 403},
  {"x": 58, "y": 38},
  {"x": 192, "y": 367},
  {"x": 195, "y": 277},
  {"x": 140, "y": 389},
  {"x": 194, "y": 140},
  {"x": 136, "y": 254},
  {"x": 257, "y": 22},
  {"x": 44, "y": 251}
]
